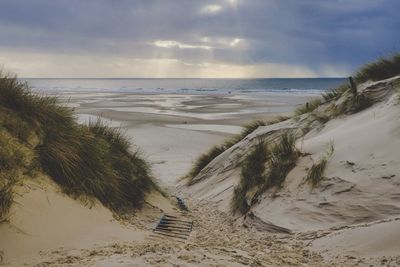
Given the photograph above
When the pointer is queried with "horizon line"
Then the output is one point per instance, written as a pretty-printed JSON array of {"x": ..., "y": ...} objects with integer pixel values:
[{"x": 182, "y": 78}]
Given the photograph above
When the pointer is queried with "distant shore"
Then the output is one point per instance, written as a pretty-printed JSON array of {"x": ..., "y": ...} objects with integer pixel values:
[{"x": 174, "y": 129}]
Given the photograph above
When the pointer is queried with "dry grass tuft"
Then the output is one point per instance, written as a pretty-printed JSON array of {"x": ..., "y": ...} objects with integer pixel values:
[
  {"x": 316, "y": 172},
  {"x": 308, "y": 107},
  {"x": 6, "y": 195},
  {"x": 265, "y": 167},
  {"x": 380, "y": 69},
  {"x": 93, "y": 161},
  {"x": 202, "y": 161}
]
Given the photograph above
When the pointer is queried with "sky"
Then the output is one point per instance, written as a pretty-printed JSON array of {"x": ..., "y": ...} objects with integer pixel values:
[{"x": 195, "y": 38}]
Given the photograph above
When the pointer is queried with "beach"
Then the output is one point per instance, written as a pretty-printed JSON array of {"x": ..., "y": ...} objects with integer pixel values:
[
  {"x": 172, "y": 130},
  {"x": 199, "y": 133},
  {"x": 296, "y": 224}
]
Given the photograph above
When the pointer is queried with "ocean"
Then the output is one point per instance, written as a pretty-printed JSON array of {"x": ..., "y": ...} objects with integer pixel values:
[{"x": 187, "y": 86}]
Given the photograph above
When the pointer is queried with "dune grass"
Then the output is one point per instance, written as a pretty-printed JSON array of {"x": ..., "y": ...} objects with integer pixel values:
[
  {"x": 14, "y": 157},
  {"x": 215, "y": 151},
  {"x": 380, "y": 69},
  {"x": 278, "y": 119},
  {"x": 252, "y": 174},
  {"x": 316, "y": 172},
  {"x": 253, "y": 167},
  {"x": 360, "y": 102},
  {"x": 283, "y": 158},
  {"x": 247, "y": 129},
  {"x": 350, "y": 104},
  {"x": 112, "y": 174},
  {"x": 204, "y": 159},
  {"x": 6, "y": 194},
  {"x": 334, "y": 94},
  {"x": 265, "y": 167},
  {"x": 92, "y": 161},
  {"x": 308, "y": 107},
  {"x": 239, "y": 202},
  {"x": 37, "y": 111}
]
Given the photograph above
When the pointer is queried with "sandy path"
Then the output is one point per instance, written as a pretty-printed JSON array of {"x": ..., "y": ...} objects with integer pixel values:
[
  {"x": 217, "y": 240},
  {"x": 171, "y": 151}
]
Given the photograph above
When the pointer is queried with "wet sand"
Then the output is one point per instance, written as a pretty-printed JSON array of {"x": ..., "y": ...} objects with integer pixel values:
[{"x": 172, "y": 130}]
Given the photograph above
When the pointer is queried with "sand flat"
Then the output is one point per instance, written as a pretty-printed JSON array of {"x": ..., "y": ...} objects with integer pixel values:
[
  {"x": 232, "y": 129},
  {"x": 172, "y": 130},
  {"x": 171, "y": 144}
]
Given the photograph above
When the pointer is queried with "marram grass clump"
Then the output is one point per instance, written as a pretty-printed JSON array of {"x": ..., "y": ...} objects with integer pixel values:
[
  {"x": 6, "y": 196},
  {"x": 380, "y": 69},
  {"x": 383, "y": 68},
  {"x": 334, "y": 94},
  {"x": 308, "y": 107},
  {"x": 316, "y": 173},
  {"x": 15, "y": 159},
  {"x": 91, "y": 161},
  {"x": 284, "y": 155},
  {"x": 265, "y": 167},
  {"x": 252, "y": 174},
  {"x": 215, "y": 151}
]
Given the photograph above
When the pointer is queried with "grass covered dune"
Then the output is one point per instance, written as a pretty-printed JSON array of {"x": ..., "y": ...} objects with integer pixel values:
[
  {"x": 264, "y": 163},
  {"x": 39, "y": 136}
]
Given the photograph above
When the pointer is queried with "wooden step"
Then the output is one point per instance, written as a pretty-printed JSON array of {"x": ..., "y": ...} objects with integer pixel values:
[
  {"x": 175, "y": 220},
  {"x": 172, "y": 232},
  {"x": 173, "y": 227}
]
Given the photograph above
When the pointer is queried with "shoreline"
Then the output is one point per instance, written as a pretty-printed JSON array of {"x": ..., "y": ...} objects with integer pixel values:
[{"x": 172, "y": 130}]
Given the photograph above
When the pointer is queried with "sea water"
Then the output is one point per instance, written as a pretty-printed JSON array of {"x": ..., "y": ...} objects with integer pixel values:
[{"x": 313, "y": 86}]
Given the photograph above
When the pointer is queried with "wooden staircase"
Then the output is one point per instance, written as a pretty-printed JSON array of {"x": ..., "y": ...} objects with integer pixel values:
[{"x": 174, "y": 226}]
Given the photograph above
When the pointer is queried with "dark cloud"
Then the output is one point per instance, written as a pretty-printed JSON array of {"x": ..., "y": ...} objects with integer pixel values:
[{"x": 304, "y": 33}]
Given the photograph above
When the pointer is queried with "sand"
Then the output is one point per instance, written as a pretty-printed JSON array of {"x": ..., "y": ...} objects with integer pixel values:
[
  {"x": 45, "y": 221},
  {"x": 217, "y": 240},
  {"x": 351, "y": 219},
  {"x": 360, "y": 185},
  {"x": 172, "y": 130},
  {"x": 49, "y": 228}
]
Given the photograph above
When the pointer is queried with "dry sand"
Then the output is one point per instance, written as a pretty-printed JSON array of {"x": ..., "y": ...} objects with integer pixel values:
[
  {"x": 44, "y": 221},
  {"x": 217, "y": 240},
  {"x": 351, "y": 222},
  {"x": 48, "y": 228},
  {"x": 359, "y": 190}
]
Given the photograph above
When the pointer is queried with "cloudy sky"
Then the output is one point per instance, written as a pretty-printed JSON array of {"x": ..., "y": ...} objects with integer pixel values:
[{"x": 195, "y": 38}]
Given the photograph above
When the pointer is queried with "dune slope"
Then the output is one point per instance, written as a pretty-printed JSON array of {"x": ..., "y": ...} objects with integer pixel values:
[
  {"x": 43, "y": 219},
  {"x": 361, "y": 180},
  {"x": 358, "y": 191}
]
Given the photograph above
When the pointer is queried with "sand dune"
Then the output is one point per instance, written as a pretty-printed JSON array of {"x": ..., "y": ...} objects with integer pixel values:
[
  {"x": 377, "y": 239},
  {"x": 361, "y": 182},
  {"x": 47, "y": 227},
  {"x": 350, "y": 218},
  {"x": 43, "y": 219}
]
